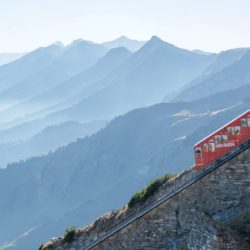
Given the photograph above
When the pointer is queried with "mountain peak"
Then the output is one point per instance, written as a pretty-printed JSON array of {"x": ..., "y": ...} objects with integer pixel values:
[
  {"x": 58, "y": 43},
  {"x": 124, "y": 41},
  {"x": 156, "y": 38},
  {"x": 123, "y": 38},
  {"x": 158, "y": 41}
]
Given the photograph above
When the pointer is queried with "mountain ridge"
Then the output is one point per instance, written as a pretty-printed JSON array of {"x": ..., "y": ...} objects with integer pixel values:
[
  {"x": 64, "y": 63},
  {"x": 133, "y": 80},
  {"x": 222, "y": 79},
  {"x": 69, "y": 88}
]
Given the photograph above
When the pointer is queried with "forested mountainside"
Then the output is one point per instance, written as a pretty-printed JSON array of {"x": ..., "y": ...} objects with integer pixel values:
[
  {"x": 48, "y": 140},
  {"x": 99, "y": 173}
]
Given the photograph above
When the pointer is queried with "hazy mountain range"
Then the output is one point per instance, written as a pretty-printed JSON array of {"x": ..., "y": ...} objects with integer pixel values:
[
  {"x": 230, "y": 70},
  {"x": 157, "y": 68},
  {"x": 97, "y": 85},
  {"x": 44, "y": 69},
  {"x": 156, "y": 99}
]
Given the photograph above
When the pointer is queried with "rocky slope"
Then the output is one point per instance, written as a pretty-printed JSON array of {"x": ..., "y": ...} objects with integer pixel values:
[{"x": 214, "y": 213}]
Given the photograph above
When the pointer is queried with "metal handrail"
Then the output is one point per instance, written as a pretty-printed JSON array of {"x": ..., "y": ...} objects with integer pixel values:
[{"x": 183, "y": 186}]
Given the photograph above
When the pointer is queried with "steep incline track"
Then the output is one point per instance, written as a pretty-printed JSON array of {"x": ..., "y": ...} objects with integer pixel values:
[{"x": 181, "y": 187}]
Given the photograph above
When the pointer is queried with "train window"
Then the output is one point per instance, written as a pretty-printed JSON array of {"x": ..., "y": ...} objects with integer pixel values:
[
  {"x": 237, "y": 130},
  {"x": 248, "y": 122},
  {"x": 217, "y": 139},
  {"x": 230, "y": 130},
  {"x": 211, "y": 147},
  {"x": 243, "y": 123},
  {"x": 205, "y": 147},
  {"x": 198, "y": 151},
  {"x": 224, "y": 138}
]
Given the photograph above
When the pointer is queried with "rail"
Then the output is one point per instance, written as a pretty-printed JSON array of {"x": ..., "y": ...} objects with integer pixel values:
[{"x": 181, "y": 187}]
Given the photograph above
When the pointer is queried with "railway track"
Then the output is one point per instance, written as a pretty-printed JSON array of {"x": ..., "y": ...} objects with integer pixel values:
[{"x": 179, "y": 188}]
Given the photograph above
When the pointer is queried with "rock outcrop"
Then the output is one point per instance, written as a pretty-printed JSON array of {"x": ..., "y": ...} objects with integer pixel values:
[{"x": 214, "y": 213}]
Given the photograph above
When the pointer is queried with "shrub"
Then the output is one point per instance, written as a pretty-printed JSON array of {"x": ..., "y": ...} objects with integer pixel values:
[
  {"x": 69, "y": 234},
  {"x": 142, "y": 195},
  {"x": 41, "y": 247}
]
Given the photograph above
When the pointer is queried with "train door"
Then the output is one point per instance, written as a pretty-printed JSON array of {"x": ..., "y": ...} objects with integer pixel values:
[
  {"x": 248, "y": 126},
  {"x": 208, "y": 152},
  {"x": 245, "y": 128},
  {"x": 238, "y": 135},
  {"x": 211, "y": 156},
  {"x": 198, "y": 158},
  {"x": 234, "y": 135}
]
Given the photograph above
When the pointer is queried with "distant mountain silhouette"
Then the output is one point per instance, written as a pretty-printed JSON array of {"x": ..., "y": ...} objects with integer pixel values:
[
  {"x": 224, "y": 59},
  {"x": 48, "y": 140},
  {"x": 30, "y": 64},
  {"x": 229, "y": 71},
  {"x": 201, "y": 52},
  {"x": 123, "y": 41},
  {"x": 45, "y": 68},
  {"x": 154, "y": 70},
  {"x": 70, "y": 91}
]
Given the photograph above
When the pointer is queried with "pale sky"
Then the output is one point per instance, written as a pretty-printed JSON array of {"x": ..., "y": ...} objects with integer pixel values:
[{"x": 210, "y": 25}]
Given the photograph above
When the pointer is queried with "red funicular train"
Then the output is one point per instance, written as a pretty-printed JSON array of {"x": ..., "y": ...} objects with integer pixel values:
[{"x": 222, "y": 141}]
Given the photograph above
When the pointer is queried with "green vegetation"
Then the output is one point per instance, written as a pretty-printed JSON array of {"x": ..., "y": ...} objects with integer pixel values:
[
  {"x": 142, "y": 195},
  {"x": 69, "y": 234},
  {"x": 45, "y": 246},
  {"x": 41, "y": 247}
]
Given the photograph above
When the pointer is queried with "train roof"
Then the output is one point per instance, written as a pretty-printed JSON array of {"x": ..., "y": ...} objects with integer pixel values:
[{"x": 216, "y": 131}]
